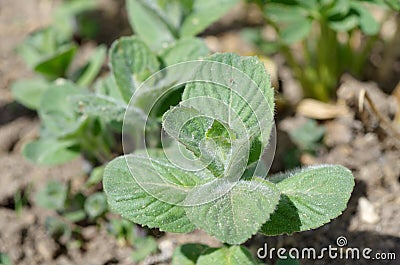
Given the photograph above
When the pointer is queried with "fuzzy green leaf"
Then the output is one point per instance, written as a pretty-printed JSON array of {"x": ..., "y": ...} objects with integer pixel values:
[
  {"x": 107, "y": 108},
  {"x": 57, "y": 229},
  {"x": 50, "y": 151},
  {"x": 130, "y": 200},
  {"x": 235, "y": 255},
  {"x": 240, "y": 96},
  {"x": 310, "y": 198},
  {"x": 246, "y": 91},
  {"x": 57, "y": 64},
  {"x": 131, "y": 63},
  {"x": 207, "y": 138},
  {"x": 150, "y": 22},
  {"x": 239, "y": 214},
  {"x": 57, "y": 110},
  {"x": 29, "y": 92}
]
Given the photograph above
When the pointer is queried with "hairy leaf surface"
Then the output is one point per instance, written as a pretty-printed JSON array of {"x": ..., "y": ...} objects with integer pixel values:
[
  {"x": 310, "y": 198},
  {"x": 129, "y": 199},
  {"x": 239, "y": 214},
  {"x": 242, "y": 84}
]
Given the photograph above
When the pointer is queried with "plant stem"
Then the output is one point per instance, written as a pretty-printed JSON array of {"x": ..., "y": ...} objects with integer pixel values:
[
  {"x": 327, "y": 62},
  {"x": 96, "y": 146}
]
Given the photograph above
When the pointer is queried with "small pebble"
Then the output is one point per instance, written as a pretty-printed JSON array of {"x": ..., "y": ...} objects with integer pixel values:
[{"x": 367, "y": 211}]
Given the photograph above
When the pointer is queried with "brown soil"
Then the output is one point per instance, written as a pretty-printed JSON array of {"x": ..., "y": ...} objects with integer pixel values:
[{"x": 356, "y": 140}]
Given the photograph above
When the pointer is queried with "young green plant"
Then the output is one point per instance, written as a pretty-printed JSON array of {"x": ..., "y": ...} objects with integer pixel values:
[{"x": 223, "y": 129}]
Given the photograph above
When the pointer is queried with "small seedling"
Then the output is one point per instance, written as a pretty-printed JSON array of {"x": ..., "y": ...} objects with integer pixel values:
[
  {"x": 74, "y": 207},
  {"x": 96, "y": 205},
  {"x": 57, "y": 229},
  {"x": 123, "y": 230},
  {"x": 53, "y": 196},
  {"x": 128, "y": 233},
  {"x": 21, "y": 199},
  {"x": 50, "y": 51}
]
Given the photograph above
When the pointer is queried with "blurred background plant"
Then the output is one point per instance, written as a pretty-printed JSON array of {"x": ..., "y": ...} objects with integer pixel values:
[
  {"x": 50, "y": 51},
  {"x": 127, "y": 233},
  {"x": 322, "y": 39},
  {"x": 74, "y": 207},
  {"x": 55, "y": 55}
]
